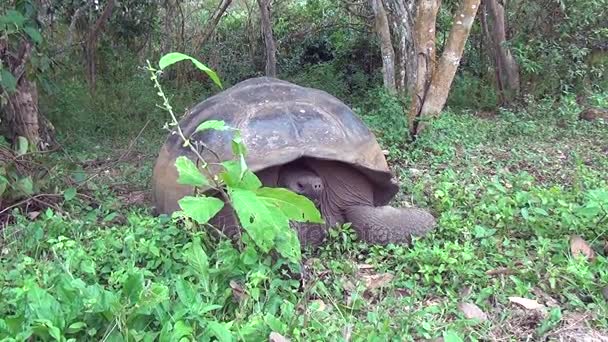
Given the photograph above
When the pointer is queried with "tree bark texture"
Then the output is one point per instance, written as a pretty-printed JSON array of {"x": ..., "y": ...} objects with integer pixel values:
[
  {"x": 401, "y": 18},
  {"x": 507, "y": 70},
  {"x": 212, "y": 24},
  {"x": 424, "y": 42},
  {"x": 443, "y": 74},
  {"x": 271, "y": 50},
  {"x": 91, "y": 44},
  {"x": 168, "y": 26},
  {"x": 22, "y": 114},
  {"x": 386, "y": 45}
]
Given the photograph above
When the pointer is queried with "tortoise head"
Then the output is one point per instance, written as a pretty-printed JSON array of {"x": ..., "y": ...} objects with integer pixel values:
[{"x": 301, "y": 180}]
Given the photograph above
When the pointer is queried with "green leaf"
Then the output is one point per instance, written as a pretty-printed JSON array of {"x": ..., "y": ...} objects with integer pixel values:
[
  {"x": 34, "y": 34},
  {"x": 133, "y": 286},
  {"x": 22, "y": 145},
  {"x": 189, "y": 174},
  {"x": 220, "y": 331},
  {"x": 44, "y": 306},
  {"x": 260, "y": 222},
  {"x": 157, "y": 294},
  {"x": 181, "y": 330},
  {"x": 209, "y": 308},
  {"x": 174, "y": 57},
  {"x": 197, "y": 258},
  {"x": 217, "y": 125},
  {"x": 200, "y": 209},
  {"x": 295, "y": 207},
  {"x": 238, "y": 148},
  {"x": 69, "y": 194},
  {"x": 3, "y": 184},
  {"x": 590, "y": 210},
  {"x": 8, "y": 81},
  {"x": 76, "y": 327},
  {"x": 25, "y": 185},
  {"x": 187, "y": 294},
  {"x": 451, "y": 336},
  {"x": 235, "y": 177},
  {"x": 12, "y": 17}
]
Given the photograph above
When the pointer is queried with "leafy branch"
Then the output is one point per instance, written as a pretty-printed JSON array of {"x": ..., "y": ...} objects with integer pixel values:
[{"x": 264, "y": 213}]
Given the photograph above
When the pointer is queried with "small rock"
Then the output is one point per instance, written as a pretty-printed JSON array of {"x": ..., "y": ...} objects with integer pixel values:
[
  {"x": 377, "y": 280},
  {"x": 276, "y": 337},
  {"x": 472, "y": 311},
  {"x": 578, "y": 246},
  {"x": 605, "y": 292}
]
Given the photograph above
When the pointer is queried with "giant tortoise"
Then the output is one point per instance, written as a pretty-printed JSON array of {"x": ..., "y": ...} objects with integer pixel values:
[{"x": 303, "y": 139}]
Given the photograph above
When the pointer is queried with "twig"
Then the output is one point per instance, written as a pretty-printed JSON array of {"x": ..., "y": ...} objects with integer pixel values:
[
  {"x": 27, "y": 200},
  {"x": 216, "y": 185}
]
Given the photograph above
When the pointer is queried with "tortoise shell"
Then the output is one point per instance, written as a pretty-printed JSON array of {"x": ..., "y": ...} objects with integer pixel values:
[{"x": 279, "y": 123}]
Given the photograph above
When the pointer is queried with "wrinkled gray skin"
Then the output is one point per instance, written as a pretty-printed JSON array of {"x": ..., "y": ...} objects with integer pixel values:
[{"x": 343, "y": 194}]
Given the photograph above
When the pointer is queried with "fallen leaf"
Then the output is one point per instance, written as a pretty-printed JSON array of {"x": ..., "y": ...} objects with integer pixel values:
[
  {"x": 578, "y": 246},
  {"x": 403, "y": 292},
  {"x": 276, "y": 337},
  {"x": 472, "y": 311},
  {"x": 500, "y": 271},
  {"x": 237, "y": 291},
  {"x": 606, "y": 247},
  {"x": 530, "y": 304},
  {"x": 33, "y": 214},
  {"x": 375, "y": 281},
  {"x": 365, "y": 267}
]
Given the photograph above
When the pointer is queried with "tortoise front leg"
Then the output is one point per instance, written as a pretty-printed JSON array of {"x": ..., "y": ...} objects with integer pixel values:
[{"x": 386, "y": 224}]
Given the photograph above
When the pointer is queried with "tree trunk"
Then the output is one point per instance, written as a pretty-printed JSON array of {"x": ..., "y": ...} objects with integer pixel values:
[
  {"x": 424, "y": 42},
  {"x": 21, "y": 110},
  {"x": 507, "y": 70},
  {"x": 271, "y": 50},
  {"x": 402, "y": 22},
  {"x": 212, "y": 24},
  {"x": 251, "y": 36},
  {"x": 91, "y": 44},
  {"x": 386, "y": 45},
  {"x": 443, "y": 74},
  {"x": 168, "y": 26}
]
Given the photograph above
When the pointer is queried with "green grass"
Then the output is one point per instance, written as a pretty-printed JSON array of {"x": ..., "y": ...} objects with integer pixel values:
[{"x": 508, "y": 192}]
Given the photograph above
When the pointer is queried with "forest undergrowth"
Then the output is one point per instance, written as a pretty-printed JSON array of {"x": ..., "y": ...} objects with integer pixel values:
[{"x": 520, "y": 251}]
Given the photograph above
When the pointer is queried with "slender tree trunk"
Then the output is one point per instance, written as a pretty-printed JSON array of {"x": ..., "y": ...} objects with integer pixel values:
[
  {"x": 402, "y": 23},
  {"x": 443, "y": 73},
  {"x": 271, "y": 50},
  {"x": 91, "y": 44},
  {"x": 386, "y": 45},
  {"x": 212, "y": 24},
  {"x": 168, "y": 26},
  {"x": 507, "y": 70},
  {"x": 424, "y": 41},
  {"x": 22, "y": 114},
  {"x": 251, "y": 36}
]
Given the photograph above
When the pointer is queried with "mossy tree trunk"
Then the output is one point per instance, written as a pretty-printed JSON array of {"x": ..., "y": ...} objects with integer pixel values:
[{"x": 21, "y": 111}]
